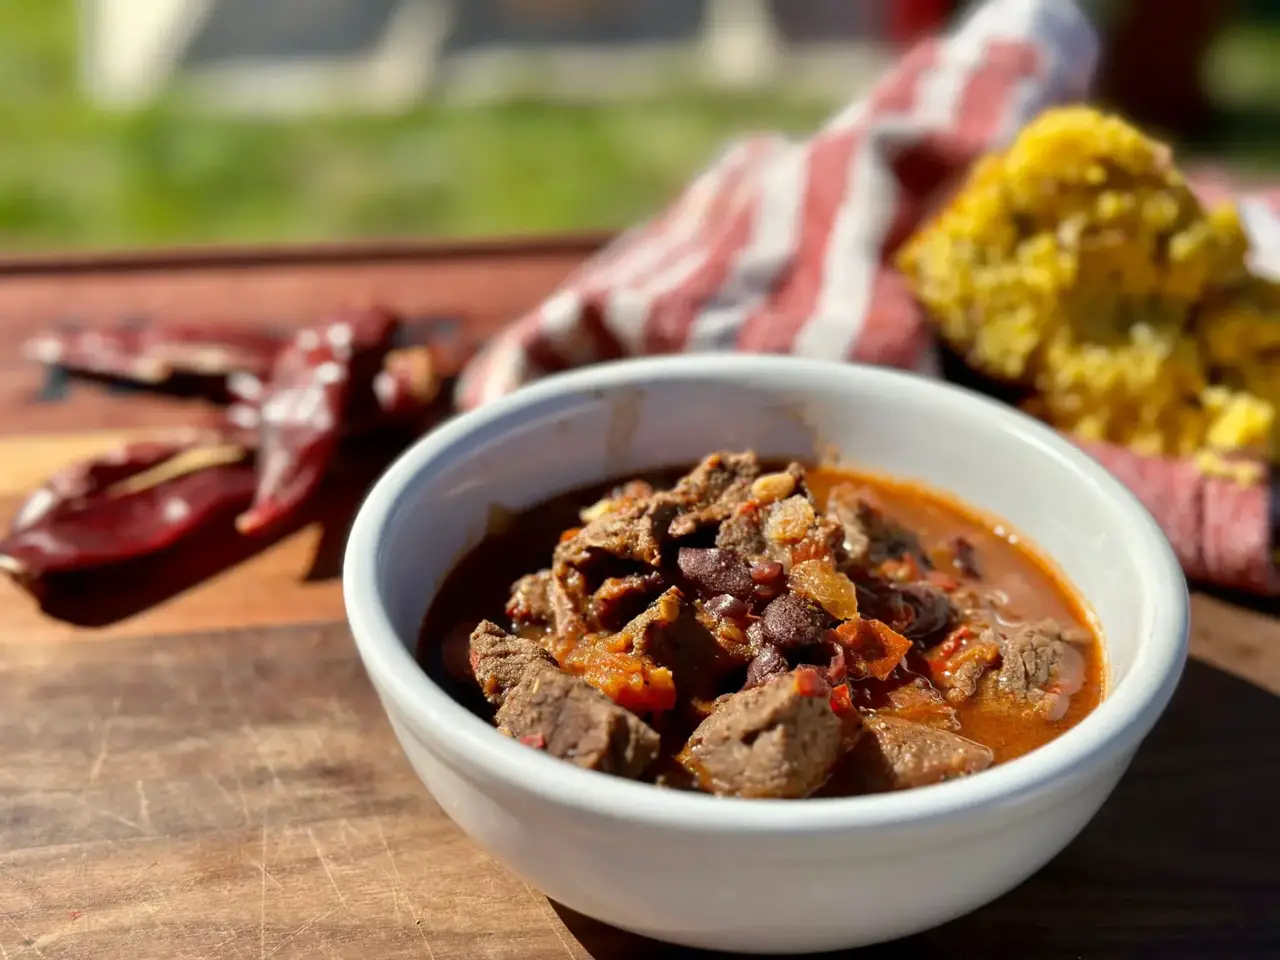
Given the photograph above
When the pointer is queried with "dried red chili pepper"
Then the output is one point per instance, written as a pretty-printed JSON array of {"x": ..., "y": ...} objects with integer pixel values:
[
  {"x": 305, "y": 408},
  {"x": 293, "y": 402},
  {"x": 80, "y": 480},
  {"x": 153, "y": 353},
  {"x": 107, "y": 528}
]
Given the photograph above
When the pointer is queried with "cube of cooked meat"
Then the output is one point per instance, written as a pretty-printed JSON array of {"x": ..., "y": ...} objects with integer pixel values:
[
  {"x": 895, "y": 754},
  {"x": 670, "y": 634},
  {"x": 619, "y": 599},
  {"x": 530, "y": 601},
  {"x": 628, "y": 533},
  {"x": 871, "y": 537},
  {"x": 710, "y": 492},
  {"x": 567, "y": 593},
  {"x": 1041, "y": 668},
  {"x": 743, "y": 532},
  {"x": 777, "y": 740},
  {"x": 958, "y": 673},
  {"x": 572, "y": 720},
  {"x": 499, "y": 659},
  {"x": 919, "y": 702},
  {"x": 787, "y": 529},
  {"x": 633, "y": 491}
]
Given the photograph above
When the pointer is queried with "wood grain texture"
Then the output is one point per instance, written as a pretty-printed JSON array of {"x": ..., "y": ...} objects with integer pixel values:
[{"x": 193, "y": 764}]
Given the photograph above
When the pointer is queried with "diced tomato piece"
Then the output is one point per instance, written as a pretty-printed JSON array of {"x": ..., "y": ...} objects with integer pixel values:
[
  {"x": 630, "y": 680},
  {"x": 841, "y": 701},
  {"x": 535, "y": 740},
  {"x": 872, "y": 648},
  {"x": 809, "y": 683}
]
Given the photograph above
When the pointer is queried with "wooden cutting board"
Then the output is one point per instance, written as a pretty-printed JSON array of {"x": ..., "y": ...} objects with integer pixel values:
[{"x": 193, "y": 764}]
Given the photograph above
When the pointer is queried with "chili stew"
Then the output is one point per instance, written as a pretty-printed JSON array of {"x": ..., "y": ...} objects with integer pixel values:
[{"x": 763, "y": 630}]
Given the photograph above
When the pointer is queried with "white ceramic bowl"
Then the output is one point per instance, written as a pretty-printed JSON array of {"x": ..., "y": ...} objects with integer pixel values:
[{"x": 760, "y": 875}]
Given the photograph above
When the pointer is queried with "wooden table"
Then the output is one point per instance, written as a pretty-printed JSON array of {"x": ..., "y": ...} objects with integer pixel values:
[{"x": 193, "y": 764}]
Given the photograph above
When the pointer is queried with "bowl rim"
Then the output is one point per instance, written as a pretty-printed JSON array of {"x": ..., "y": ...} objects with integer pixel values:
[{"x": 1114, "y": 728}]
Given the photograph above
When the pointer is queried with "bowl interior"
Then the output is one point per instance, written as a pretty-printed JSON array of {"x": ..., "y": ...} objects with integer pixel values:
[{"x": 999, "y": 462}]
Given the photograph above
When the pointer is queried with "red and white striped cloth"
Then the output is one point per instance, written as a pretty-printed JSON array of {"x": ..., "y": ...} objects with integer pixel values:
[
  {"x": 782, "y": 246},
  {"x": 786, "y": 247}
]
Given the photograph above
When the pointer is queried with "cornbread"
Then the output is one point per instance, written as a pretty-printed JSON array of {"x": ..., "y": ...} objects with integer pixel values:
[{"x": 1080, "y": 265}]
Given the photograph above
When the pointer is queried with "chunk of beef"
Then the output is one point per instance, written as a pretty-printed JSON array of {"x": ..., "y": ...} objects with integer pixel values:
[
  {"x": 573, "y": 721},
  {"x": 670, "y": 634},
  {"x": 567, "y": 592},
  {"x": 1040, "y": 668},
  {"x": 743, "y": 532},
  {"x": 727, "y": 618},
  {"x": 870, "y": 536},
  {"x": 778, "y": 740},
  {"x": 629, "y": 494},
  {"x": 710, "y": 492},
  {"x": 714, "y": 571},
  {"x": 628, "y": 533},
  {"x": 896, "y": 754},
  {"x": 919, "y": 702},
  {"x": 499, "y": 659},
  {"x": 958, "y": 672},
  {"x": 619, "y": 599},
  {"x": 530, "y": 601}
]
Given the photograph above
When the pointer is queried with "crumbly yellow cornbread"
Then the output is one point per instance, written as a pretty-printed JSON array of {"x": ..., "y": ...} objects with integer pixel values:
[{"x": 1079, "y": 264}]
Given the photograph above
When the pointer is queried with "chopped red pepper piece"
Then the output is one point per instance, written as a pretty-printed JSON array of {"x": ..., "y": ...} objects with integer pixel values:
[
  {"x": 841, "y": 701},
  {"x": 872, "y": 648},
  {"x": 535, "y": 740},
  {"x": 809, "y": 683}
]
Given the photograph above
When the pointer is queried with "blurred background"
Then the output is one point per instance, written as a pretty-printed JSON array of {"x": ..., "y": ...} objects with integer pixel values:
[{"x": 153, "y": 122}]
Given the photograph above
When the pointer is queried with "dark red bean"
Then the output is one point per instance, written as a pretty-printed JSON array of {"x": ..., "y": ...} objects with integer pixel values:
[
  {"x": 767, "y": 572},
  {"x": 791, "y": 621},
  {"x": 714, "y": 571},
  {"x": 728, "y": 607},
  {"x": 768, "y": 663},
  {"x": 764, "y": 593}
]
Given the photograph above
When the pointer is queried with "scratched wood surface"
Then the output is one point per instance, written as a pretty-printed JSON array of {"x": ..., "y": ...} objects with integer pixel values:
[{"x": 192, "y": 763}]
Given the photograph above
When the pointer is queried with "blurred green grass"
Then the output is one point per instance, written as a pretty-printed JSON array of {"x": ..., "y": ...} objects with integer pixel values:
[{"x": 74, "y": 176}]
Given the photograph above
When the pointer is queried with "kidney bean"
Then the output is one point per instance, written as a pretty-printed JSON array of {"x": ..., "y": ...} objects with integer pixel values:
[
  {"x": 791, "y": 621},
  {"x": 714, "y": 571}
]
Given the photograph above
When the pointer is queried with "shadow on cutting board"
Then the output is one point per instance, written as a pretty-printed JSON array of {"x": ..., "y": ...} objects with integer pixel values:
[{"x": 1182, "y": 861}]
